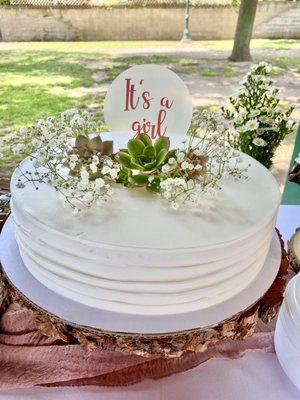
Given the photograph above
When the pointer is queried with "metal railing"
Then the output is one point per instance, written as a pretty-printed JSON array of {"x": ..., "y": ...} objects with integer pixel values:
[{"x": 116, "y": 3}]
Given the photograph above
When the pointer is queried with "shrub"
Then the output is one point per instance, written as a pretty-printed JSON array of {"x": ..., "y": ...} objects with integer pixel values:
[{"x": 261, "y": 121}]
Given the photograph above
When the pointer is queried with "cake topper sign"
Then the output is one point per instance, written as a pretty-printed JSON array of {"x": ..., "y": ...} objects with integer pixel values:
[
  {"x": 147, "y": 99},
  {"x": 132, "y": 102}
]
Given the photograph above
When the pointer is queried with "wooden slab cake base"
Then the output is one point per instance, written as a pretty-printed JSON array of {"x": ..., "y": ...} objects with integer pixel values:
[{"x": 171, "y": 344}]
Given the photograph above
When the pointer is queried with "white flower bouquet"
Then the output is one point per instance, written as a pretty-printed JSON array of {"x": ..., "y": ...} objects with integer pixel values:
[{"x": 260, "y": 120}]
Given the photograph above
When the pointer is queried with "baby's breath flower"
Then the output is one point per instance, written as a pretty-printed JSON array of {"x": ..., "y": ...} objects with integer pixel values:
[
  {"x": 93, "y": 168},
  {"x": 185, "y": 165},
  {"x": 99, "y": 183},
  {"x": 113, "y": 173},
  {"x": 106, "y": 170},
  {"x": 165, "y": 168},
  {"x": 23, "y": 131},
  {"x": 180, "y": 156},
  {"x": 18, "y": 148},
  {"x": 174, "y": 205}
]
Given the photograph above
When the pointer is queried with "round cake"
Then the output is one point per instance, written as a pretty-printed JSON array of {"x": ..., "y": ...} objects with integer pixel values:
[{"x": 134, "y": 255}]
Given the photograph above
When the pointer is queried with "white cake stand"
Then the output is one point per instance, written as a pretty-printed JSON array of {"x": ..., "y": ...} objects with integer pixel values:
[{"x": 78, "y": 314}]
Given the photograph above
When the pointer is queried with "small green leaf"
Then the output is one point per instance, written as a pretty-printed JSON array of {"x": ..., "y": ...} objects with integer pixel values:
[
  {"x": 124, "y": 159},
  {"x": 150, "y": 166},
  {"x": 154, "y": 186},
  {"x": 142, "y": 159},
  {"x": 161, "y": 157},
  {"x": 171, "y": 154},
  {"x": 135, "y": 147},
  {"x": 145, "y": 139},
  {"x": 149, "y": 153},
  {"x": 135, "y": 165},
  {"x": 123, "y": 175},
  {"x": 162, "y": 143},
  {"x": 139, "y": 179}
]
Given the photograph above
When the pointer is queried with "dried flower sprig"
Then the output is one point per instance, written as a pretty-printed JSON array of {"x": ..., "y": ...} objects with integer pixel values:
[{"x": 80, "y": 170}]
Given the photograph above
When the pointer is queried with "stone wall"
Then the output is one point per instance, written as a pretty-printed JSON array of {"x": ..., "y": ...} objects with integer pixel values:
[{"x": 29, "y": 24}]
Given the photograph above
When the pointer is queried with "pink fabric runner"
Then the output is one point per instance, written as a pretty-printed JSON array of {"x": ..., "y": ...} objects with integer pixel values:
[{"x": 28, "y": 358}]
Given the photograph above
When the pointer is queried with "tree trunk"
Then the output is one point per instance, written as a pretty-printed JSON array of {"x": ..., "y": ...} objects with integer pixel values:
[{"x": 243, "y": 32}]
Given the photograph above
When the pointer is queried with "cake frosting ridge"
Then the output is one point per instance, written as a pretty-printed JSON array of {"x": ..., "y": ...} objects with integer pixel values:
[{"x": 134, "y": 255}]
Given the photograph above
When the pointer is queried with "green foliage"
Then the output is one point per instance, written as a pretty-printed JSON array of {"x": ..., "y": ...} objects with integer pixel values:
[
  {"x": 38, "y": 84},
  {"x": 144, "y": 156},
  {"x": 260, "y": 121},
  {"x": 209, "y": 73}
]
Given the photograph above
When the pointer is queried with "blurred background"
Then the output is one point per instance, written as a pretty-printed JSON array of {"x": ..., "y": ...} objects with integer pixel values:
[{"x": 58, "y": 54}]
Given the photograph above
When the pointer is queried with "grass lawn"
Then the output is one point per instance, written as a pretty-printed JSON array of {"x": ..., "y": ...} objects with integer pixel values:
[{"x": 43, "y": 78}]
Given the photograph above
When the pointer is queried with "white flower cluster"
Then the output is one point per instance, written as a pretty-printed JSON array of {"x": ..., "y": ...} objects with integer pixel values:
[
  {"x": 178, "y": 191},
  {"x": 195, "y": 170},
  {"x": 259, "y": 118},
  {"x": 82, "y": 181},
  {"x": 84, "y": 192},
  {"x": 172, "y": 188}
]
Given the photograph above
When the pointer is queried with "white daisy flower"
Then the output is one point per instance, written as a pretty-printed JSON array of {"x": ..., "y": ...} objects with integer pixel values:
[
  {"x": 259, "y": 142},
  {"x": 251, "y": 125}
]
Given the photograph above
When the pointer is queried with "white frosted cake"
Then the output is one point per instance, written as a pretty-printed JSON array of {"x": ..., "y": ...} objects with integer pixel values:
[{"x": 137, "y": 256}]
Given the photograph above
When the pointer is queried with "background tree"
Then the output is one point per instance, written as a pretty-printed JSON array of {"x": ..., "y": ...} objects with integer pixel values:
[{"x": 243, "y": 32}]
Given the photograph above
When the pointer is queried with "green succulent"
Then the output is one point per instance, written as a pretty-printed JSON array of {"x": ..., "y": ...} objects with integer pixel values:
[
  {"x": 146, "y": 157},
  {"x": 86, "y": 147}
]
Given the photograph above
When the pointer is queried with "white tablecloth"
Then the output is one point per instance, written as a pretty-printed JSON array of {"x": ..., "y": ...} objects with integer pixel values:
[{"x": 256, "y": 376}]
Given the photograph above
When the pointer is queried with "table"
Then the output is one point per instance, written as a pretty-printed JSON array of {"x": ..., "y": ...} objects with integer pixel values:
[{"x": 255, "y": 376}]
